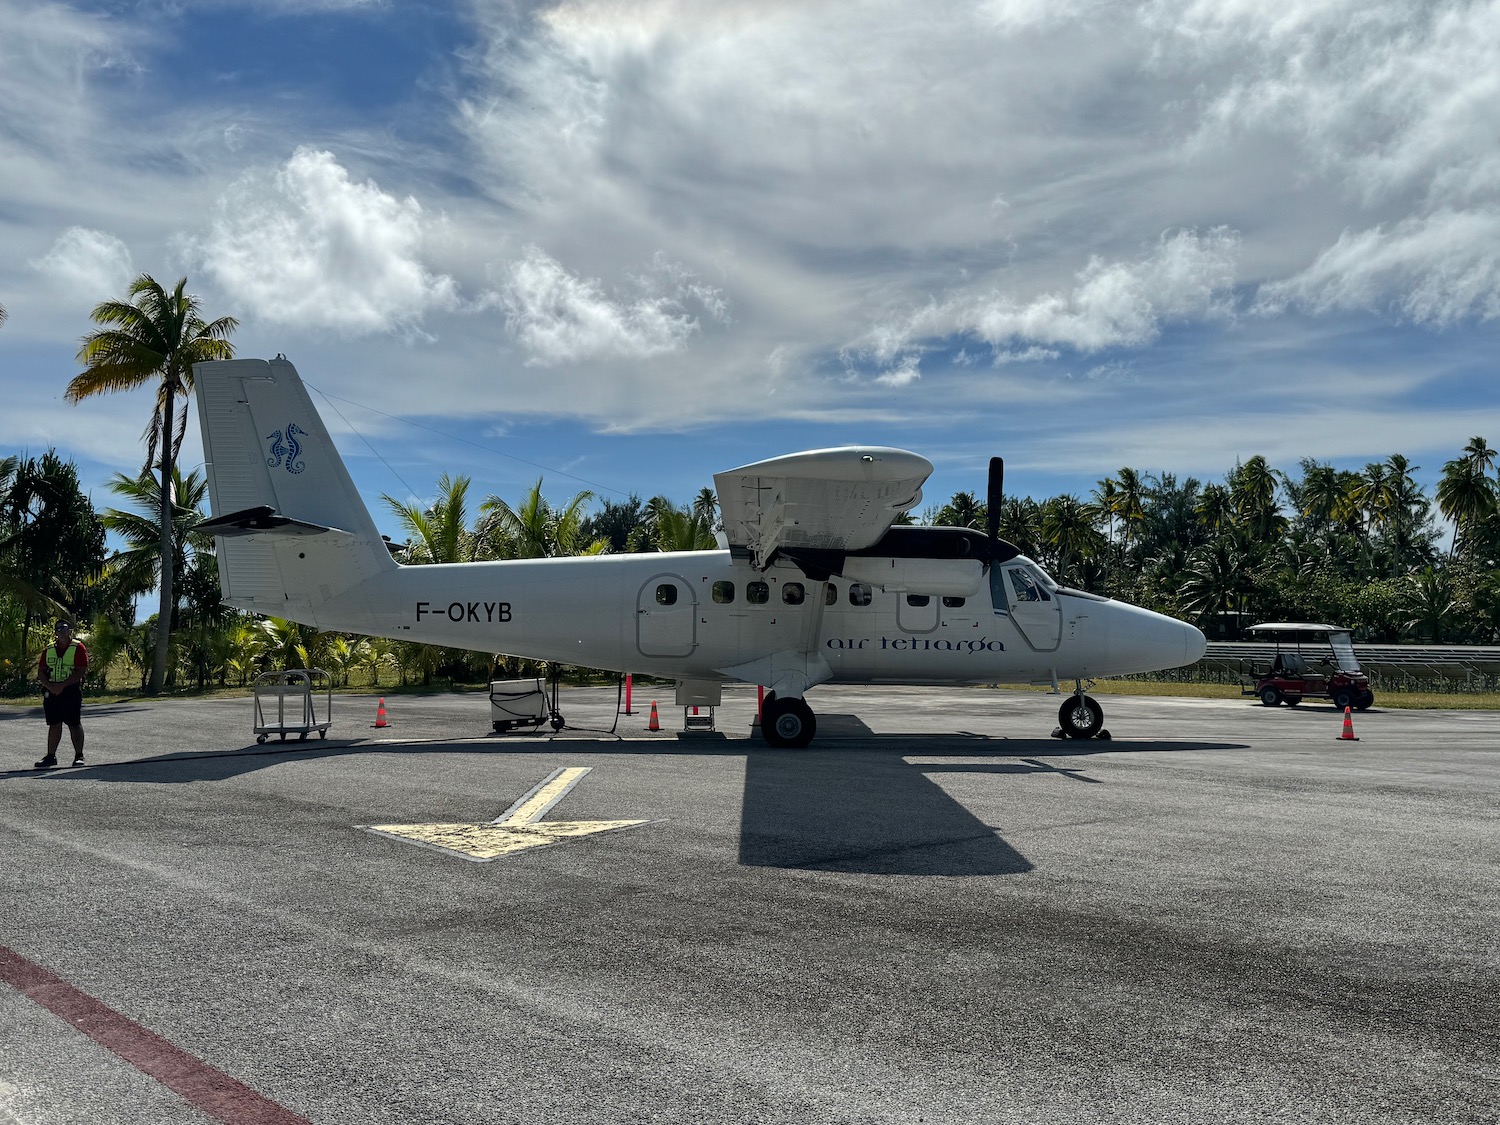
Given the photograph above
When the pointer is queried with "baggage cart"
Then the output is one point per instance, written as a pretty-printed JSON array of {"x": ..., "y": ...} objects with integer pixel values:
[
  {"x": 298, "y": 702},
  {"x": 516, "y": 703}
]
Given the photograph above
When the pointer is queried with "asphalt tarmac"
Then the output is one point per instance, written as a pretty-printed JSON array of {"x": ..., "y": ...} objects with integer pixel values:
[{"x": 935, "y": 914}]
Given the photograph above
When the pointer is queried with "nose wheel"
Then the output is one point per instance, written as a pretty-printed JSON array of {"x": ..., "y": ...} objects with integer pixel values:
[{"x": 1080, "y": 716}]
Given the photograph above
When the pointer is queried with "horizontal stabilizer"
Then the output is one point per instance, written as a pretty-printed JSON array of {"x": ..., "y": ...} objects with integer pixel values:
[{"x": 261, "y": 520}]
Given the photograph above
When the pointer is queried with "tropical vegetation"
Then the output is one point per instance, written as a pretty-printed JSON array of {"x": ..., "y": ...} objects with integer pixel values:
[
  {"x": 1366, "y": 548},
  {"x": 155, "y": 337}
]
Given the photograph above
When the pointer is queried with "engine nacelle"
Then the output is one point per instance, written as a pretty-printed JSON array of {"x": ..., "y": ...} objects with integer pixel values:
[{"x": 948, "y": 578}]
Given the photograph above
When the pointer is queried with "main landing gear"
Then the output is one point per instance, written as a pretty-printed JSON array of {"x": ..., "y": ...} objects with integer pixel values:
[
  {"x": 787, "y": 723},
  {"x": 1080, "y": 716}
]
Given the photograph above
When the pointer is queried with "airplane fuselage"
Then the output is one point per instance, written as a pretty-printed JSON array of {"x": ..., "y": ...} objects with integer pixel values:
[{"x": 693, "y": 615}]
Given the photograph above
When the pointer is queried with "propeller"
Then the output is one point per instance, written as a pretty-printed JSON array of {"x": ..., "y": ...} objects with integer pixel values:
[{"x": 995, "y": 497}]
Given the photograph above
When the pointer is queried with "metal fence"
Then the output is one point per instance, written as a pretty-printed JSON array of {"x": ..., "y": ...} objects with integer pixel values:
[{"x": 1453, "y": 669}]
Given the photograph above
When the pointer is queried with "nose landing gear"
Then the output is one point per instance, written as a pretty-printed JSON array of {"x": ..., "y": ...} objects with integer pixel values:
[{"x": 1080, "y": 716}]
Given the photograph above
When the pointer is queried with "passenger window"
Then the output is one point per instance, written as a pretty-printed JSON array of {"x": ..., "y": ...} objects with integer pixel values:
[
  {"x": 953, "y": 603},
  {"x": 917, "y": 599},
  {"x": 793, "y": 594},
  {"x": 666, "y": 594},
  {"x": 723, "y": 592},
  {"x": 859, "y": 593},
  {"x": 757, "y": 593},
  {"x": 830, "y": 594}
]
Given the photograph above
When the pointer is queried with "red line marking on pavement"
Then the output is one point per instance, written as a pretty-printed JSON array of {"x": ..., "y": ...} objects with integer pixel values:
[{"x": 211, "y": 1090}]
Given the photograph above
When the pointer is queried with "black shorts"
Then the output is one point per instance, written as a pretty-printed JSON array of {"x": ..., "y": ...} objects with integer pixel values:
[{"x": 64, "y": 707}]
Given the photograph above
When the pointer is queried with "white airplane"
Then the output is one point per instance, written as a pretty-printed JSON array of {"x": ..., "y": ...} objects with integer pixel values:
[{"x": 813, "y": 585}]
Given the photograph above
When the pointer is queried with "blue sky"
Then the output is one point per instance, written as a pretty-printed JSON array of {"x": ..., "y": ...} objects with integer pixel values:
[{"x": 628, "y": 244}]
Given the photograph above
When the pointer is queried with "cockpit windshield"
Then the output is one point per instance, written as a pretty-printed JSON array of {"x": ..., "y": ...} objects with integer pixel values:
[{"x": 1020, "y": 582}]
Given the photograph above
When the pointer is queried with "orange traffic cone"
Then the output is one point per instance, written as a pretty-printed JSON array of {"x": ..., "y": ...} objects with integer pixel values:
[
  {"x": 380, "y": 715},
  {"x": 655, "y": 723},
  {"x": 1348, "y": 735}
]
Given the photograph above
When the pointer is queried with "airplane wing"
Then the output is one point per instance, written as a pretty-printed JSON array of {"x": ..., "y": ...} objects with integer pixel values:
[{"x": 829, "y": 499}]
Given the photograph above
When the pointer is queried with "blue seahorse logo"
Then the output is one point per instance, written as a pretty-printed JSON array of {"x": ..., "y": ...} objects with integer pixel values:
[
  {"x": 294, "y": 447},
  {"x": 290, "y": 448}
]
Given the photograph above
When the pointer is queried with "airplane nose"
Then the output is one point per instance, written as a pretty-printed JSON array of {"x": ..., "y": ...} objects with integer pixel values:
[
  {"x": 1133, "y": 639},
  {"x": 1194, "y": 643}
]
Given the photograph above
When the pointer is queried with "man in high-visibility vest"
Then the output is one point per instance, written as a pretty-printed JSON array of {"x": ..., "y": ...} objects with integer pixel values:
[{"x": 60, "y": 671}]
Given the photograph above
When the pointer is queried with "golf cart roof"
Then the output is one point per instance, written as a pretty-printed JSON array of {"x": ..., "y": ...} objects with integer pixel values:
[{"x": 1305, "y": 630}]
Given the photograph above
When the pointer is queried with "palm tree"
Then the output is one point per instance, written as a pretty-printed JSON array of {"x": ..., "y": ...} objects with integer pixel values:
[
  {"x": 441, "y": 529},
  {"x": 1215, "y": 579},
  {"x": 155, "y": 336},
  {"x": 681, "y": 529},
  {"x": 1021, "y": 524},
  {"x": 1128, "y": 504},
  {"x": 1215, "y": 507},
  {"x": 1466, "y": 495},
  {"x": 963, "y": 510},
  {"x": 1068, "y": 525},
  {"x": 137, "y": 568},
  {"x": 536, "y": 530},
  {"x": 1106, "y": 499},
  {"x": 706, "y": 504},
  {"x": 1253, "y": 486},
  {"x": 1478, "y": 452},
  {"x": 1429, "y": 604}
]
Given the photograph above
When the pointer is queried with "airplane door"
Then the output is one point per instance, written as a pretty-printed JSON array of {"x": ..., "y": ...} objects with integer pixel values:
[
  {"x": 665, "y": 617},
  {"x": 917, "y": 613},
  {"x": 1037, "y": 614}
]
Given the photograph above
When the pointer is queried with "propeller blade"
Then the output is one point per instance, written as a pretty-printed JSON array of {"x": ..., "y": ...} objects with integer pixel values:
[{"x": 996, "y": 495}]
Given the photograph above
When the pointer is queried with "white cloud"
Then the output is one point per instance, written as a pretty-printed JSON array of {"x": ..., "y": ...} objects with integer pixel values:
[
  {"x": 1188, "y": 276},
  {"x": 904, "y": 373},
  {"x": 561, "y": 318},
  {"x": 1391, "y": 96},
  {"x": 87, "y": 264},
  {"x": 1437, "y": 269},
  {"x": 311, "y": 248},
  {"x": 1120, "y": 304}
]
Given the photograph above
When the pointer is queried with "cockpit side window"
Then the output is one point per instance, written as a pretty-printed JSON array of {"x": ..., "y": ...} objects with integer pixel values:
[{"x": 1025, "y": 588}]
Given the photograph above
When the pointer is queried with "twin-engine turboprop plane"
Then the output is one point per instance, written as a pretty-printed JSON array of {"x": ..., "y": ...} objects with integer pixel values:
[{"x": 814, "y": 586}]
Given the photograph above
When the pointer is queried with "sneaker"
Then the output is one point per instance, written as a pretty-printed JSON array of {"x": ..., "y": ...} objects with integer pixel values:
[
  {"x": 78, "y": 759},
  {"x": 47, "y": 763}
]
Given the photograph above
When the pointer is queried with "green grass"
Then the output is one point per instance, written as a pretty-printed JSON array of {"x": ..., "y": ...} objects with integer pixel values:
[{"x": 1391, "y": 700}]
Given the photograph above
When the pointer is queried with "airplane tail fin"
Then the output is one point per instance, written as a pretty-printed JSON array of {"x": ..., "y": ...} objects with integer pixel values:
[{"x": 293, "y": 536}]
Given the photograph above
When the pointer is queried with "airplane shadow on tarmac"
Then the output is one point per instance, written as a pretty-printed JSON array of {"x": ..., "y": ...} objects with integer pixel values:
[
  {"x": 853, "y": 803},
  {"x": 864, "y": 807}
]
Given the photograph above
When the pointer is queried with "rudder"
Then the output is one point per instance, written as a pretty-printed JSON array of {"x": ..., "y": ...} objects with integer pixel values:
[{"x": 291, "y": 531}]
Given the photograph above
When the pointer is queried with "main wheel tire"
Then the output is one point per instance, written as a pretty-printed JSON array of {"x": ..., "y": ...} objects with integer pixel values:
[
  {"x": 787, "y": 723},
  {"x": 1080, "y": 716},
  {"x": 1270, "y": 696},
  {"x": 1365, "y": 701},
  {"x": 1344, "y": 697}
]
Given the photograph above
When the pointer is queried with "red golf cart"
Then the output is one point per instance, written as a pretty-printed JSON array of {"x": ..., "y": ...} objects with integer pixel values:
[{"x": 1294, "y": 675}]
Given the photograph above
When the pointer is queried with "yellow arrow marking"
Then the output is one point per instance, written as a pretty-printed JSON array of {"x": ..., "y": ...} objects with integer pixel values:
[{"x": 517, "y": 829}]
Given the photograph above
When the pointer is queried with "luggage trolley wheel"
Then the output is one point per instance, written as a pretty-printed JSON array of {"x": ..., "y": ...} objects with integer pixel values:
[{"x": 260, "y": 739}]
